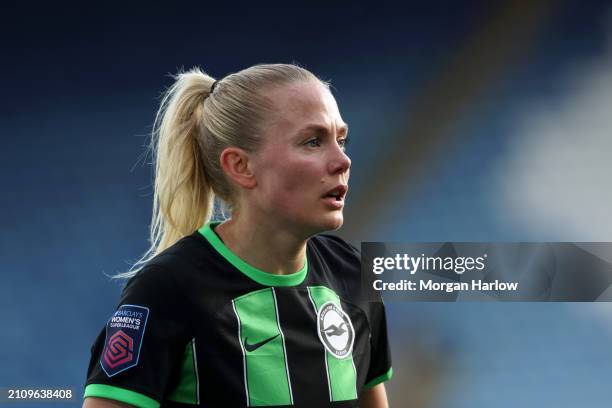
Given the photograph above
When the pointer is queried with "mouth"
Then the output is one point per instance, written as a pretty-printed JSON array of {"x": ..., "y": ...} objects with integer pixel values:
[{"x": 335, "y": 196}]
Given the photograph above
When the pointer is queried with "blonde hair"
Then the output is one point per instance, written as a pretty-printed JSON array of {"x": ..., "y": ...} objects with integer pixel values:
[{"x": 191, "y": 129}]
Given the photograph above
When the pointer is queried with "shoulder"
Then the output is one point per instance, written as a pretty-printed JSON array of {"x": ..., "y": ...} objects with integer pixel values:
[
  {"x": 165, "y": 273},
  {"x": 336, "y": 247},
  {"x": 335, "y": 263},
  {"x": 343, "y": 260},
  {"x": 153, "y": 284},
  {"x": 184, "y": 254}
]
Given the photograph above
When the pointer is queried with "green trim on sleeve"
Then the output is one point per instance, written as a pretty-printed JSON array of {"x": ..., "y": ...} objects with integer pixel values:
[
  {"x": 377, "y": 380},
  {"x": 259, "y": 276},
  {"x": 120, "y": 394}
]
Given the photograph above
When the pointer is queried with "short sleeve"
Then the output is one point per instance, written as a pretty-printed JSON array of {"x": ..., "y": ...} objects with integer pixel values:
[
  {"x": 137, "y": 354},
  {"x": 380, "y": 361}
]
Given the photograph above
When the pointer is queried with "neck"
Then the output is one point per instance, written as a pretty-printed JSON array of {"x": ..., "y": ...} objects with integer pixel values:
[{"x": 264, "y": 246}]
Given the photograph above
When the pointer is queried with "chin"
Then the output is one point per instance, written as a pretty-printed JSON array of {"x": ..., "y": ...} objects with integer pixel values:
[
  {"x": 322, "y": 223},
  {"x": 331, "y": 222}
]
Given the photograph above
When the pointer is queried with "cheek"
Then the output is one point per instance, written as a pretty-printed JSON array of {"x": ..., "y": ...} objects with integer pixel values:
[
  {"x": 302, "y": 175},
  {"x": 295, "y": 180}
]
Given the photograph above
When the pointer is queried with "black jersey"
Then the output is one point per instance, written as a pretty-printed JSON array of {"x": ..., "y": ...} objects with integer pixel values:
[{"x": 200, "y": 327}]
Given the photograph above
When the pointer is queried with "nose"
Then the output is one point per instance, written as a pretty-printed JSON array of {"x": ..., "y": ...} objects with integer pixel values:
[{"x": 340, "y": 163}]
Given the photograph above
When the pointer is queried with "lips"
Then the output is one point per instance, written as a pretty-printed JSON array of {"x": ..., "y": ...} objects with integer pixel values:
[
  {"x": 337, "y": 192},
  {"x": 334, "y": 198}
]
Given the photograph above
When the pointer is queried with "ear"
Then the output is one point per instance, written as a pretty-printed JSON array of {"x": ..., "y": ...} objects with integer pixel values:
[{"x": 237, "y": 165}]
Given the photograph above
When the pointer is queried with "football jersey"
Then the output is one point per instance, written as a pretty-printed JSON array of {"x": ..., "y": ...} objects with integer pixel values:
[{"x": 198, "y": 326}]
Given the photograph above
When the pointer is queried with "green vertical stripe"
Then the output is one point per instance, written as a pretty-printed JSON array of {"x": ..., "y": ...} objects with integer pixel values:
[
  {"x": 186, "y": 391},
  {"x": 341, "y": 372},
  {"x": 267, "y": 379}
]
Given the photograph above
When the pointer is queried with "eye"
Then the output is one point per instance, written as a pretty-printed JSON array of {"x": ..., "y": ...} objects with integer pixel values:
[
  {"x": 314, "y": 142},
  {"x": 343, "y": 142}
]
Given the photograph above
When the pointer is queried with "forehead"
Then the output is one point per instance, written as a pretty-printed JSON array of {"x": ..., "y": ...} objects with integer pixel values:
[{"x": 307, "y": 103}]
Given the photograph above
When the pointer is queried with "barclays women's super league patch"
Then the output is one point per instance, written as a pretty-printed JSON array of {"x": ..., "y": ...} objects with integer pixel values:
[{"x": 124, "y": 335}]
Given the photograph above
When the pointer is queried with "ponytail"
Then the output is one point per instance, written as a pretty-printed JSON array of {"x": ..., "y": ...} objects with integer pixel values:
[
  {"x": 196, "y": 120},
  {"x": 183, "y": 199}
]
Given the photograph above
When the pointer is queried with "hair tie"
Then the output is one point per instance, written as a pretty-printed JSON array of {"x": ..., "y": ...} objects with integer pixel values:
[{"x": 212, "y": 88}]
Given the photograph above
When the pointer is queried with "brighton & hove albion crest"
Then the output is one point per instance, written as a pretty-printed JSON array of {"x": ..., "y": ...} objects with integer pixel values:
[{"x": 335, "y": 330}]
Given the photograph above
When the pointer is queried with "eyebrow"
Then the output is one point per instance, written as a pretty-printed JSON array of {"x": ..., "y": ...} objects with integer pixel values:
[{"x": 322, "y": 129}]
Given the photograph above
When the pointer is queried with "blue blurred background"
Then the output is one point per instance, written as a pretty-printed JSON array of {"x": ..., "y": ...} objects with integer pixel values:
[{"x": 470, "y": 121}]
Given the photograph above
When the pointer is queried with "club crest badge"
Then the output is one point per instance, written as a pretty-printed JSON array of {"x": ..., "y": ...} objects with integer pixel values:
[
  {"x": 124, "y": 334},
  {"x": 335, "y": 330}
]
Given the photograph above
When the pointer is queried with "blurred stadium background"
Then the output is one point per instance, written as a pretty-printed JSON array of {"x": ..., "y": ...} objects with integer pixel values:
[{"x": 470, "y": 121}]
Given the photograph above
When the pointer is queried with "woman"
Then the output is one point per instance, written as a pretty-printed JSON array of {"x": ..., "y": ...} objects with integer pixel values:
[{"x": 258, "y": 310}]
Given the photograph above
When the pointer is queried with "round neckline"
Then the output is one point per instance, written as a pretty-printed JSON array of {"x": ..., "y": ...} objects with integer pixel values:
[{"x": 259, "y": 276}]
